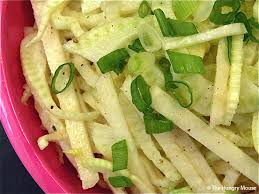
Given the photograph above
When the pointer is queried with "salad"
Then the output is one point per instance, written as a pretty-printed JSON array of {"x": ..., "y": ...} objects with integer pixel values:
[{"x": 152, "y": 96}]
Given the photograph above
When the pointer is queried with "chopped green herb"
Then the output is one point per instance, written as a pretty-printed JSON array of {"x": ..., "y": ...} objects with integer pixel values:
[{"x": 114, "y": 61}]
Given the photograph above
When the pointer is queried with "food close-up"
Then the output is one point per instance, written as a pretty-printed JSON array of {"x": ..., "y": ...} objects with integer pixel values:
[{"x": 153, "y": 96}]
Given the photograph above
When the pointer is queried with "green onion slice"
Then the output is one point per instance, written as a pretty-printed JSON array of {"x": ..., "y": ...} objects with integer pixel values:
[
  {"x": 184, "y": 8},
  {"x": 185, "y": 63},
  {"x": 114, "y": 61},
  {"x": 241, "y": 17},
  {"x": 180, "y": 28},
  {"x": 57, "y": 74},
  {"x": 156, "y": 123},
  {"x": 229, "y": 41},
  {"x": 120, "y": 155},
  {"x": 149, "y": 37},
  {"x": 173, "y": 28},
  {"x": 219, "y": 18},
  {"x": 140, "y": 93},
  {"x": 164, "y": 66},
  {"x": 144, "y": 9},
  {"x": 175, "y": 88},
  {"x": 136, "y": 46},
  {"x": 120, "y": 181},
  {"x": 163, "y": 23},
  {"x": 253, "y": 22}
]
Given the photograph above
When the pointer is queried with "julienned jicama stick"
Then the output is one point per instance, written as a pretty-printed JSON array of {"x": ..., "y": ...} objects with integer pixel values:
[
  {"x": 181, "y": 162},
  {"x": 196, "y": 158},
  {"x": 217, "y": 33},
  {"x": 173, "y": 152},
  {"x": 137, "y": 128},
  {"x": 76, "y": 131},
  {"x": 199, "y": 130},
  {"x": 218, "y": 107},
  {"x": 83, "y": 67},
  {"x": 68, "y": 101},
  {"x": 111, "y": 110},
  {"x": 234, "y": 78}
]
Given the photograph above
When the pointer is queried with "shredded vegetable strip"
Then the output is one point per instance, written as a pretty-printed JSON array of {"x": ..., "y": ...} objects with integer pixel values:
[
  {"x": 235, "y": 78},
  {"x": 44, "y": 140},
  {"x": 219, "y": 99},
  {"x": 112, "y": 112},
  {"x": 196, "y": 158},
  {"x": 145, "y": 141},
  {"x": 61, "y": 22},
  {"x": 217, "y": 33},
  {"x": 55, "y": 56},
  {"x": 38, "y": 83},
  {"x": 83, "y": 67},
  {"x": 43, "y": 15},
  {"x": 105, "y": 166},
  {"x": 68, "y": 100},
  {"x": 200, "y": 131},
  {"x": 180, "y": 161},
  {"x": 156, "y": 176}
]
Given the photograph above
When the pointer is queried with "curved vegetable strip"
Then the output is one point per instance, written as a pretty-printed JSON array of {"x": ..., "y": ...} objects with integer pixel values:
[
  {"x": 68, "y": 100},
  {"x": 44, "y": 14},
  {"x": 61, "y": 22},
  {"x": 180, "y": 161},
  {"x": 203, "y": 11},
  {"x": 197, "y": 159},
  {"x": 112, "y": 112},
  {"x": 255, "y": 131},
  {"x": 37, "y": 81},
  {"x": 217, "y": 33},
  {"x": 200, "y": 131},
  {"x": 235, "y": 78},
  {"x": 44, "y": 140},
  {"x": 105, "y": 166},
  {"x": 144, "y": 140},
  {"x": 219, "y": 99}
]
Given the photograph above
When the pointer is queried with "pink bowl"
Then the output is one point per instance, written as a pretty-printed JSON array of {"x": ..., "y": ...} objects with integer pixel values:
[{"x": 22, "y": 124}]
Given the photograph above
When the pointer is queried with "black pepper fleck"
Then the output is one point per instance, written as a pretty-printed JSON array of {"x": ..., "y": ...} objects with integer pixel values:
[
  {"x": 51, "y": 107},
  {"x": 54, "y": 128}
]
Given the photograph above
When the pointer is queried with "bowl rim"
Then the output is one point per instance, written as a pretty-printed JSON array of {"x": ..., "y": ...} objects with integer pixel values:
[{"x": 13, "y": 128}]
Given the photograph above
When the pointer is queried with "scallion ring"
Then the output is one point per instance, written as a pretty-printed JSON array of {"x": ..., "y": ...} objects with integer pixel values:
[
  {"x": 156, "y": 123},
  {"x": 164, "y": 66},
  {"x": 56, "y": 74},
  {"x": 144, "y": 9},
  {"x": 219, "y": 18},
  {"x": 172, "y": 86},
  {"x": 140, "y": 93}
]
